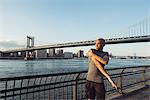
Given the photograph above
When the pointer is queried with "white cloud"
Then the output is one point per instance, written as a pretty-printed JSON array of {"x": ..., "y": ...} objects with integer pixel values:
[{"x": 9, "y": 44}]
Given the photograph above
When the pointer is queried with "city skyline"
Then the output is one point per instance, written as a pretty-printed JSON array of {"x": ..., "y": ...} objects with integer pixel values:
[{"x": 60, "y": 21}]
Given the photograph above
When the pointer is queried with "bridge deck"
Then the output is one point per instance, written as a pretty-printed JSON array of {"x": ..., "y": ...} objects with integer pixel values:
[{"x": 141, "y": 94}]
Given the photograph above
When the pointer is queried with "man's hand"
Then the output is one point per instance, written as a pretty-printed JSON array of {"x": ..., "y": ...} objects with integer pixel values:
[
  {"x": 112, "y": 83},
  {"x": 89, "y": 53},
  {"x": 114, "y": 86}
]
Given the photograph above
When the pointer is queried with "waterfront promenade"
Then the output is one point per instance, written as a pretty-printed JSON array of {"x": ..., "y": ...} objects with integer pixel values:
[
  {"x": 71, "y": 86},
  {"x": 140, "y": 94}
]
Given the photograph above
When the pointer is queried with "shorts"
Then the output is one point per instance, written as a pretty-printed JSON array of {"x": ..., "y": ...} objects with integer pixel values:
[{"x": 95, "y": 90}]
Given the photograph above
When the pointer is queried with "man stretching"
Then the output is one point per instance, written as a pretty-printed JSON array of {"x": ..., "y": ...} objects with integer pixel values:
[{"x": 97, "y": 60}]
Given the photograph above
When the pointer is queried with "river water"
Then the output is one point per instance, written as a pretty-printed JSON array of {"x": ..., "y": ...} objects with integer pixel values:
[{"x": 11, "y": 68}]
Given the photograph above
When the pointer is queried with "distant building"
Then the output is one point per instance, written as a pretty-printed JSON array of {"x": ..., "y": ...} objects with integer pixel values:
[
  {"x": 51, "y": 52},
  {"x": 41, "y": 53},
  {"x": 134, "y": 56},
  {"x": 68, "y": 55},
  {"x": 15, "y": 54},
  {"x": 0, "y": 53},
  {"x": 110, "y": 55},
  {"x": 75, "y": 55},
  {"x": 80, "y": 53},
  {"x": 23, "y": 54},
  {"x": 59, "y": 53}
]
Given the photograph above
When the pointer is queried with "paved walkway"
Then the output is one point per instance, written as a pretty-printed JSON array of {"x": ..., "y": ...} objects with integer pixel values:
[{"x": 141, "y": 94}]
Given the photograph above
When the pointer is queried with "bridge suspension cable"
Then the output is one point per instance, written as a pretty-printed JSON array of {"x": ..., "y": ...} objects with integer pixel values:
[{"x": 141, "y": 28}]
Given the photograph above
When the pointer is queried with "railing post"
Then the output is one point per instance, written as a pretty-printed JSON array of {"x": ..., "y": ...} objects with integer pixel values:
[
  {"x": 120, "y": 80},
  {"x": 5, "y": 89},
  {"x": 75, "y": 87},
  {"x": 143, "y": 77},
  {"x": 75, "y": 91}
]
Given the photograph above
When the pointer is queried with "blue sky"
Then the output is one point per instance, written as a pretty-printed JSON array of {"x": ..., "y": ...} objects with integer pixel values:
[{"x": 57, "y": 21}]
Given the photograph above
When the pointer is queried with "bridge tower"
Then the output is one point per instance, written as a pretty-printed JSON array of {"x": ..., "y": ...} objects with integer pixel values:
[{"x": 30, "y": 44}]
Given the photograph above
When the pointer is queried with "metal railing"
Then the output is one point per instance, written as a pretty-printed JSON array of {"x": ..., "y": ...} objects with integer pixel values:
[{"x": 68, "y": 85}]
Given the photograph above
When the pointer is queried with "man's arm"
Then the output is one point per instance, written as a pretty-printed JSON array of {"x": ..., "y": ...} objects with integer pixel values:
[
  {"x": 98, "y": 58},
  {"x": 102, "y": 70}
]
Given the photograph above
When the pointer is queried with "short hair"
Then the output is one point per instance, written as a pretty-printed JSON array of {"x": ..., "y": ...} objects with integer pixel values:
[{"x": 102, "y": 41}]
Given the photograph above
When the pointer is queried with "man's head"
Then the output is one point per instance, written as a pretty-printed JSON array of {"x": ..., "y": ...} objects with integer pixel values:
[{"x": 100, "y": 43}]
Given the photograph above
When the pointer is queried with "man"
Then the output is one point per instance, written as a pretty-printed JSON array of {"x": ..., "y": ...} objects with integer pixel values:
[{"x": 97, "y": 60}]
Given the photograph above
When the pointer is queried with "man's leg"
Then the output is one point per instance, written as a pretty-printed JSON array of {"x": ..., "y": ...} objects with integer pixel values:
[
  {"x": 100, "y": 91},
  {"x": 90, "y": 91}
]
